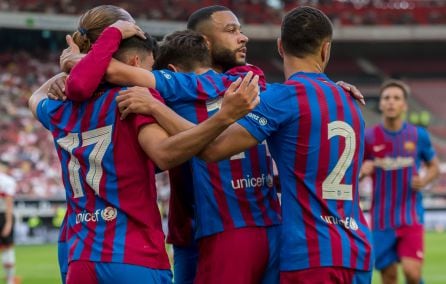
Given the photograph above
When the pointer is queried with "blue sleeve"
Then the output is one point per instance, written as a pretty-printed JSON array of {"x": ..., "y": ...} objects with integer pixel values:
[
  {"x": 269, "y": 116},
  {"x": 42, "y": 113},
  {"x": 175, "y": 86},
  {"x": 426, "y": 151}
]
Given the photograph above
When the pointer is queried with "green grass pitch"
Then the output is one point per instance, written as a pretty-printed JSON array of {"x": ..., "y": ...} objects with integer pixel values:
[{"x": 38, "y": 264}]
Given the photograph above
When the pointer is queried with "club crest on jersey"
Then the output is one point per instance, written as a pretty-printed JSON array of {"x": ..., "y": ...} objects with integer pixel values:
[
  {"x": 409, "y": 146},
  {"x": 109, "y": 213}
]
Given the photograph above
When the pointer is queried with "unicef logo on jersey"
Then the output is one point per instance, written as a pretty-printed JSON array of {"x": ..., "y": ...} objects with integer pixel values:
[
  {"x": 109, "y": 213},
  {"x": 166, "y": 75},
  {"x": 349, "y": 223}
]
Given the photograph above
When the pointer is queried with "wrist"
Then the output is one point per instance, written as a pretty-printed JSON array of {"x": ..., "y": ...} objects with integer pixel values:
[{"x": 223, "y": 118}]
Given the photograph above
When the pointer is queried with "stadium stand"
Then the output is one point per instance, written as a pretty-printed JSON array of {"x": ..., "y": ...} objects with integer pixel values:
[{"x": 345, "y": 13}]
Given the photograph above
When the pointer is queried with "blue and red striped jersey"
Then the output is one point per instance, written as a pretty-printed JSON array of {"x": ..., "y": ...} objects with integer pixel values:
[
  {"x": 315, "y": 133},
  {"x": 397, "y": 157},
  {"x": 112, "y": 213},
  {"x": 233, "y": 193}
]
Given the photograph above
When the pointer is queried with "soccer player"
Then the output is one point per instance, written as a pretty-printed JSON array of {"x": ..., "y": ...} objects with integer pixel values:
[
  {"x": 7, "y": 192},
  {"x": 114, "y": 227},
  {"x": 394, "y": 153},
  {"x": 315, "y": 131},
  {"x": 234, "y": 199}
]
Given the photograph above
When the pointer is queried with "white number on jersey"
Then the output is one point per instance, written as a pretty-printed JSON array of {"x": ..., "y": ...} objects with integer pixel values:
[
  {"x": 332, "y": 187},
  {"x": 101, "y": 139}
]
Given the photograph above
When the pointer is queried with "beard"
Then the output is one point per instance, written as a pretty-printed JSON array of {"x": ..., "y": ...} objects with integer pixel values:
[{"x": 226, "y": 58}]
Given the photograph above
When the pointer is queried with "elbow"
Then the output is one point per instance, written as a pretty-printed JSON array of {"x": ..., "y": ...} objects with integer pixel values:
[{"x": 164, "y": 161}]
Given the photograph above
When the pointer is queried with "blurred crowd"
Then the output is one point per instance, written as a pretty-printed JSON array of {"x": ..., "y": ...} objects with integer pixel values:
[
  {"x": 22, "y": 138},
  {"x": 342, "y": 12}
]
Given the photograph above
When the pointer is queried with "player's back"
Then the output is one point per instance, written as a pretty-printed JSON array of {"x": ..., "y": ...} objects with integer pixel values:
[
  {"x": 112, "y": 210},
  {"x": 318, "y": 151}
]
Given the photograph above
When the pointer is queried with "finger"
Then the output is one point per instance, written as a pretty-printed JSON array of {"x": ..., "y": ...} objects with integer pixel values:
[
  {"x": 234, "y": 85},
  {"x": 124, "y": 103},
  {"x": 121, "y": 98},
  {"x": 125, "y": 92},
  {"x": 253, "y": 88},
  {"x": 125, "y": 113},
  {"x": 245, "y": 81},
  {"x": 61, "y": 84},
  {"x": 73, "y": 46}
]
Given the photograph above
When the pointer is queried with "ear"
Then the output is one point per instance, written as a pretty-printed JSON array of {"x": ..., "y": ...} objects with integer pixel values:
[
  {"x": 208, "y": 41},
  {"x": 134, "y": 60},
  {"x": 325, "y": 52},
  {"x": 172, "y": 67},
  {"x": 280, "y": 47}
]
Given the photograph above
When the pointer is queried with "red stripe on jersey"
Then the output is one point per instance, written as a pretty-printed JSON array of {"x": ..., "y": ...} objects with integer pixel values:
[
  {"x": 220, "y": 196},
  {"x": 404, "y": 198},
  {"x": 241, "y": 192},
  {"x": 382, "y": 202},
  {"x": 258, "y": 192},
  {"x": 300, "y": 166},
  {"x": 323, "y": 169},
  {"x": 393, "y": 186},
  {"x": 214, "y": 173}
]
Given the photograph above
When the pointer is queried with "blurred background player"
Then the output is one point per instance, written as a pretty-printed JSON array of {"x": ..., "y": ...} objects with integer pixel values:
[
  {"x": 395, "y": 151},
  {"x": 7, "y": 192}
]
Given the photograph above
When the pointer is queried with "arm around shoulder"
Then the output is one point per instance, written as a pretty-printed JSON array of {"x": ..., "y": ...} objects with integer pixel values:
[{"x": 41, "y": 94}]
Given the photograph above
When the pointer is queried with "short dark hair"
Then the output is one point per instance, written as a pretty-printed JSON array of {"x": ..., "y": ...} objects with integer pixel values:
[
  {"x": 187, "y": 49},
  {"x": 303, "y": 31},
  {"x": 142, "y": 46},
  {"x": 202, "y": 15},
  {"x": 395, "y": 83}
]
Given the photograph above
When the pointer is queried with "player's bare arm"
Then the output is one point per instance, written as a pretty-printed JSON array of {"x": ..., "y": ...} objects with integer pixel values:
[
  {"x": 367, "y": 169},
  {"x": 41, "y": 93},
  {"x": 432, "y": 172},
  {"x": 140, "y": 100},
  {"x": 168, "y": 152}
]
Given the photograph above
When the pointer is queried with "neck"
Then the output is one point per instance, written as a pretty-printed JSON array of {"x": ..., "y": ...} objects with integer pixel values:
[
  {"x": 393, "y": 124},
  {"x": 201, "y": 70},
  {"x": 307, "y": 64}
]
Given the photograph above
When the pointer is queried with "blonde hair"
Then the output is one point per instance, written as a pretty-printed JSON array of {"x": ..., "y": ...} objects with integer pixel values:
[{"x": 94, "y": 21}]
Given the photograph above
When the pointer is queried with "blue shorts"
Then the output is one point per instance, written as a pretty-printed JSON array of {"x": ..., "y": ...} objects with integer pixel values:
[
  {"x": 62, "y": 255},
  {"x": 88, "y": 272},
  {"x": 185, "y": 261}
]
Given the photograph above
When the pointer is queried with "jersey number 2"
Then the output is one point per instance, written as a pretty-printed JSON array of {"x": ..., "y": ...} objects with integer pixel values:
[
  {"x": 101, "y": 139},
  {"x": 332, "y": 188}
]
